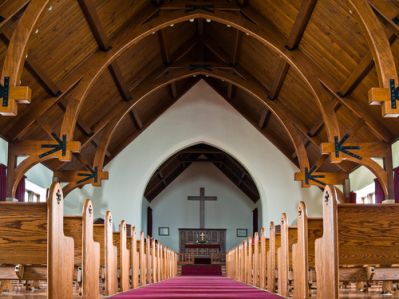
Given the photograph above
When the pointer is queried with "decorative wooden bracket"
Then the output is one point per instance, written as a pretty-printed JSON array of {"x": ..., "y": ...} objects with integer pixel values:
[
  {"x": 59, "y": 148},
  {"x": 340, "y": 150},
  {"x": 320, "y": 179},
  {"x": 196, "y": 7},
  {"x": 387, "y": 97},
  {"x": 82, "y": 177},
  {"x": 11, "y": 95}
]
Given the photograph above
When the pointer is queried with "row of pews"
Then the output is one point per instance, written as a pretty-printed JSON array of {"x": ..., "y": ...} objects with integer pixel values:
[
  {"x": 349, "y": 244},
  {"x": 39, "y": 243}
]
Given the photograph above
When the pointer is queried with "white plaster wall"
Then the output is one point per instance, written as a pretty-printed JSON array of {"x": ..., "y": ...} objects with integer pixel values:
[
  {"x": 395, "y": 154},
  {"x": 201, "y": 115},
  {"x": 362, "y": 176},
  {"x": 3, "y": 151},
  {"x": 231, "y": 210}
]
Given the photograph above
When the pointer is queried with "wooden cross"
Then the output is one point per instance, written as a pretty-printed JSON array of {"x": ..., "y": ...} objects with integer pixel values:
[{"x": 202, "y": 198}]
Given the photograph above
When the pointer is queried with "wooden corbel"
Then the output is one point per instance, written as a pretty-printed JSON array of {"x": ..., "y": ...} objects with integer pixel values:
[
  {"x": 386, "y": 97},
  {"x": 82, "y": 177},
  {"x": 311, "y": 177},
  {"x": 342, "y": 150},
  {"x": 58, "y": 148},
  {"x": 11, "y": 96}
]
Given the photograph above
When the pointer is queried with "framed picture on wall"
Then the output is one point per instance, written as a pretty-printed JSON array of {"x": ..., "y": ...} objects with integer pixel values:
[
  {"x": 163, "y": 231},
  {"x": 242, "y": 232}
]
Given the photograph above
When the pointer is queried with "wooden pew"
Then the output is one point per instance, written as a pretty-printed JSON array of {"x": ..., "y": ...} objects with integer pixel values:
[
  {"x": 289, "y": 236},
  {"x": 132, "y": 244},
  {"x": 264, "y": 248},
  {"x": 159, "y": 259},
  {"x": 108, "y": 253},
  {"x": 149, "y": 259},
  {"x": 119, "y": 240},
  {"x": 32, "y": 237},
  {"x": 309, "y": 229},
  {"x": 143, "y": 258},
  {"x": 87, "y": 252},
  {"x": 272, "y": 256},
  {"x": 249, "y": 257},
  {"x": 355, "y": 235},
  {"x": 255, "y": 259},
  {"x": 154, "y": 260}
]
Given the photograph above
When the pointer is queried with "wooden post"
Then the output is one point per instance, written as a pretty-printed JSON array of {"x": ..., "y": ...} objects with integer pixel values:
[{"x": 262, "y": 259}]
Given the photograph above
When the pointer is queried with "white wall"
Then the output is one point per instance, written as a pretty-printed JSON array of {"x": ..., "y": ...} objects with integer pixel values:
[
  {"x": 231, "y": 210},
  {"x": 39, "y": 174},
  {"x": 200, "y": 116},
  {"x": 362, "y": 176}
]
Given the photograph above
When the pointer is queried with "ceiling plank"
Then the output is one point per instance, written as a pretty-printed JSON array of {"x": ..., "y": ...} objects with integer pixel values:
[
  {"x": 361, "y": 70},
  {"x": 11, "y": 8},
  {"x": 90, "y": 13},
  {"x": 35, "y": 68},
  {"x": 301, "y": 21}
]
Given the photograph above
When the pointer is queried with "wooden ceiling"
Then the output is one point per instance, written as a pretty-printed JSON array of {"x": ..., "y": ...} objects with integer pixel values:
[
  {"x": 201, "y": 153},
  {"x": 152, "y": 72}
]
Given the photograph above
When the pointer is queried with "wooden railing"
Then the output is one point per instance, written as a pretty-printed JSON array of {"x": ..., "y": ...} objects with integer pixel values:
[{"x": 188, "y": 258}]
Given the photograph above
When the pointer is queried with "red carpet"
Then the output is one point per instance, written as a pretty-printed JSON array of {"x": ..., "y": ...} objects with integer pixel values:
[
  {"x": 202, "y": 270},
  {"x": 197, "y": 287}
]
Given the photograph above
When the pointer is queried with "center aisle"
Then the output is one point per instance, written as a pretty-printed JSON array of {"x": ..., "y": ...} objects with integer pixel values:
[{"x": 198, "y": 287}]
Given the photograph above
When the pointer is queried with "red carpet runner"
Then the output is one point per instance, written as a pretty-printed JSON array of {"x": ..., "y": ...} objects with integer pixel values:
[
  {"x": 197, "y": 287},
  {"x": 202, "y": 270}
]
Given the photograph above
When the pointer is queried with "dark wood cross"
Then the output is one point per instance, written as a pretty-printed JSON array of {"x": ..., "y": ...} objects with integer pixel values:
[{"x": 202, "y": 198}]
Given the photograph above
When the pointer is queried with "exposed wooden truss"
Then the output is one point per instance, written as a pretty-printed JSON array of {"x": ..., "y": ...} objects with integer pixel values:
[{"x": 333, "y": 99}]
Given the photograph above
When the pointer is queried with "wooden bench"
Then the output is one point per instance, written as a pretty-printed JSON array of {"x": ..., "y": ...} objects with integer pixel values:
[
  {"x": 309, "y": 229},
  {"x": 355, "y": 235},
  {"x": 143, "y": 260},
  {"x": 108, "y": 254},
  {"x": 133, "y": 246},
  {"x": 272, "y": 256},
  {"x": 288, "y": 239},
  {"x": 120, "y": 241},
  {"x": 264, "y": 248},
  {"x": 149, "y": 259},
  {"x": 87, "y": 252},
  {"x": 32, "y": 237}
]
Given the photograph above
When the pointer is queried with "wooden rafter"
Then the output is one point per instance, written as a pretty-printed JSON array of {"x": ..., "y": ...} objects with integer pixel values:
[
  {"x": 282, "y": 71},
  {"x": 89, "y": 10},
  {"x": 301, "y": 21},
  {"x": 15, "y": 58},
  {"x": 120, "y": 82},
  {"x": 11, "y": 8}
]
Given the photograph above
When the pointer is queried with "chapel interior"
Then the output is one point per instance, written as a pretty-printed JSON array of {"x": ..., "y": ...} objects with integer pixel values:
[{"x": 199, "y": 149}]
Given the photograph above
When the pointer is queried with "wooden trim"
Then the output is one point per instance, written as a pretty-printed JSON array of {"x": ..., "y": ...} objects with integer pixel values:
[
  {"x": 143, "y": 267},
  {"x": 80, "y": 228},
  {"x": 60, "y": 248},
  {"x": 301, "y": 22},
  {"x": 327, "y": 249}
]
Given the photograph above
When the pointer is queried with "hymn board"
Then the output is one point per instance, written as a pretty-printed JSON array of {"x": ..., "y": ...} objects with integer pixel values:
[{"x": 202, "y": 243}]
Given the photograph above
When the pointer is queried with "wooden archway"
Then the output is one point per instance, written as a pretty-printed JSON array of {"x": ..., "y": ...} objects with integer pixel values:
[
  {"x": 267, "y": 36},
  {"x": 222, "y": 73}
]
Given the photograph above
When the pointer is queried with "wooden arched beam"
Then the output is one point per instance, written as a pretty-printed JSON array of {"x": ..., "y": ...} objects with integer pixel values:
[
  {"x": 16, "y": 56},
  {"x": 383, "y": 58},
  {"x": 222, "y": 73},
  {"x": 270, "y": 38},
  {"x": 37, "y": 152}
]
